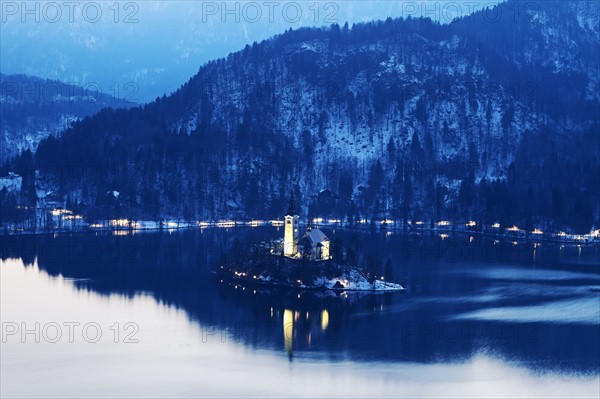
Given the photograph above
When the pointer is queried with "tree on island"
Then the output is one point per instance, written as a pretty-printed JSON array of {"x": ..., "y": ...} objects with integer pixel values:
[
  {"x": 373, "y": 268},
  {"x": 388, "y": 271},
  {"x": 337, "y": 250}
]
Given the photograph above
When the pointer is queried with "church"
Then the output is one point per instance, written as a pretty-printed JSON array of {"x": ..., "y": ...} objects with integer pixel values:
[{"x": 314, "y": 244}]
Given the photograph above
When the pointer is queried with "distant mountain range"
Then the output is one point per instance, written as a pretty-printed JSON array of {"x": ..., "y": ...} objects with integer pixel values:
[
  {"x": 107, "y": 43},
  {"x": 32, "y": 109},
  {"x": 489, "y": 120}
]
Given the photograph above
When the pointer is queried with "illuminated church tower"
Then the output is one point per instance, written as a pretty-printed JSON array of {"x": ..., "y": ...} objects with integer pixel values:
[{"x": 292, "y": 234}]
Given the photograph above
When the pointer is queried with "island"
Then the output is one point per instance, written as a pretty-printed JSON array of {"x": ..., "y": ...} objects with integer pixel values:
[{"x": 301, "y": 263}]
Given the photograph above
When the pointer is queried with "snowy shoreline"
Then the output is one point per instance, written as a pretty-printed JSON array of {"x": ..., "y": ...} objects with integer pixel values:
[
  {"x": 125, "y": 227},
  {"x": 354, "y": 282}
]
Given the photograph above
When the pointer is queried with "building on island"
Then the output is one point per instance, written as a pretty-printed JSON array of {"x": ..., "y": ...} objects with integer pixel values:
[
  {"x": 291, "y": 232},
  {"x": 314, "y": 244}
]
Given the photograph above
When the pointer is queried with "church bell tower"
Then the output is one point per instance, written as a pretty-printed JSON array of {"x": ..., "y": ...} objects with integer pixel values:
[{"x": 291, "y": 233}]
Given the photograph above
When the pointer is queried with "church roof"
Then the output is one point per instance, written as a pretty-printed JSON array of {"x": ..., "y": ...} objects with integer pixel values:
[{"x": 316, "y": 236}]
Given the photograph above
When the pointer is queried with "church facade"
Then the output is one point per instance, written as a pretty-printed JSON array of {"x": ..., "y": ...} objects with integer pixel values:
[
  {"x": 314, "y": 244},
  {"x": 291, "y": 232}
]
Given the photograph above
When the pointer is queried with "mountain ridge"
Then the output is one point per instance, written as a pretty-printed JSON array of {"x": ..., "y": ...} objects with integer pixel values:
[{"x": 33, "y": 108}]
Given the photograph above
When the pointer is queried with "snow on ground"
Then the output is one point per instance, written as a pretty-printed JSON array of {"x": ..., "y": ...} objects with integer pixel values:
[
  {"x": 12, "y": 182},
  {"x": 353, "y": 280}
]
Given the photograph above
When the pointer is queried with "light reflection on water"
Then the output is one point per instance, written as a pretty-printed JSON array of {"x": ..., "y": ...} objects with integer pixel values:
[{"x": 190, "y": 343}]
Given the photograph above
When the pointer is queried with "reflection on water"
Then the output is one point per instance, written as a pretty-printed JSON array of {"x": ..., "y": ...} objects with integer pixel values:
[
  {"x": 486, "y": 325},
  {"x": 324, "y": 319},
  {"x": 288, "y": 330},
  {"x": 302, "y": 324}
]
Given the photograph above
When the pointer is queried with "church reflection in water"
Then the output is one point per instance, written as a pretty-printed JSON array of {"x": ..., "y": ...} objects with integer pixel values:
[{"x": 297, "y": 327}]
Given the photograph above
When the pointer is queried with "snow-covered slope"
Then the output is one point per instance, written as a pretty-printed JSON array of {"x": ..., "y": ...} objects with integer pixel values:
[{"x": 33, "y": 109}]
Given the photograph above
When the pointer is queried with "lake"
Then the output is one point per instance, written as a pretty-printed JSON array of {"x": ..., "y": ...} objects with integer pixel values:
[{"x": 120, "y": 314}]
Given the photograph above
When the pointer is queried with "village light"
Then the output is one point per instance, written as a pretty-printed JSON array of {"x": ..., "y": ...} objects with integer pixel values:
[
  {"x": 124, "y": 223},
  {"x": 119, "y": 222},
  {"x": 537, "y": 231},
  {"x": 471, "y": 223},
  {"x": 496, "y": 225},
  {"x": 513, "y": 228},
  {"x": 58, "y": 212},
  {"x": 442, "y": 223}
]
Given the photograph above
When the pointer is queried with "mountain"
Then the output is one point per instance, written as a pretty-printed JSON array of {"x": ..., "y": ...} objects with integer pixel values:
[
  {"x": 481, "y": 119},
  {"x": 34, "y": 108},
  {"x": 79, "y": 44}
]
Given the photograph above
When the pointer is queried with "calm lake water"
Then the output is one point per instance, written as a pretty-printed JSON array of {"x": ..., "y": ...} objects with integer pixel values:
[{"x": 142, "y": 315}]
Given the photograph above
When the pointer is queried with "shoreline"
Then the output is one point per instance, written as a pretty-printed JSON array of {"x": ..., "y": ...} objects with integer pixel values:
[
  {"x": 304, "y": 288},
  {"x": 389, "y": 228},
  {"x": 343, "y": 277}
]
